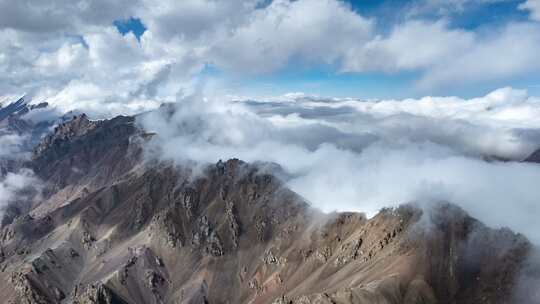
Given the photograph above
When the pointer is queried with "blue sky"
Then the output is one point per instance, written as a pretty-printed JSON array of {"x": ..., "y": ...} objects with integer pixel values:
[
  {"x": 130, "y": 25},
  {"x": 470, "y": 15}
]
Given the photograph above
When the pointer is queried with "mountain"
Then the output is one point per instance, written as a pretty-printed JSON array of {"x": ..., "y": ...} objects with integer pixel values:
[
  {"x": 534, "y": 157},
  {"x": 18, "y": 106},
  {"x": 112, "y": 226}
]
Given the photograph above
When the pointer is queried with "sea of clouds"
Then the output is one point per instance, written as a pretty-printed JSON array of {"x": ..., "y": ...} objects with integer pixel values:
[{"x": 363, "y": 155}]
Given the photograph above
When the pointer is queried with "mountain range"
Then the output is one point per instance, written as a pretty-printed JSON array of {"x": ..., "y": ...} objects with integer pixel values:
[{"x": 103, "y": 223}]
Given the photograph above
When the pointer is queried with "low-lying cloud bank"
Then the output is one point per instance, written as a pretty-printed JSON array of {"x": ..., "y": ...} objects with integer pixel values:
[
  {"x": 16, "y": 186},
  {"x": 11, "y": 145},
  {"x": 345, "y": 154}
]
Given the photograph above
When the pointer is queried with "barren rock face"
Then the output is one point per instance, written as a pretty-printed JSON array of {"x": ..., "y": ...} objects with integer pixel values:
[{"x": 111, "y": 228}]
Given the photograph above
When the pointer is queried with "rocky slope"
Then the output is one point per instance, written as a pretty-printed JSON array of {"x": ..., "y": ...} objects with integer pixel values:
[{"x": 110, "y": 227}]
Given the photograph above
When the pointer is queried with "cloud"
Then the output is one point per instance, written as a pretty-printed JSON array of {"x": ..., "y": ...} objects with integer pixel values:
[
  {"x": 59, "y": 50},
  {"x": 16, "y": 186},
  {"x": 412, "y": 45},
  {"x": 11, "y": 145},
  {"x": 502, "y": 123},
  {"x": 446, "y": 57},
  {"x": 101, "y": 60},
  {"x": 380, "y": 153},
  {"x": 533, "y": 7},
  {"x": 500, "y": 194},
  {"x": 529, "y": 277},
  {"x": 56, "y": 16},
  {"x": 307, "y": 31},
  {"x": 189, "y": 20},
  {"x": 485, "y": 61}
]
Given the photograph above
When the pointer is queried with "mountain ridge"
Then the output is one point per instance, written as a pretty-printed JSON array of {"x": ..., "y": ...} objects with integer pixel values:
[{"x": 113, "y": 227}]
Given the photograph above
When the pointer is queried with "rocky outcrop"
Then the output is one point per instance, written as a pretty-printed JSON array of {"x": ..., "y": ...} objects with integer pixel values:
[
  {"x": 97, "y": 294},
  {"x": 82, "y": 156},
  {"x": 64, "y": 134}
]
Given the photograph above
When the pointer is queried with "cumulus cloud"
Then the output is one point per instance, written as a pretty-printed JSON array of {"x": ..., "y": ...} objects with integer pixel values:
[
  {"x": 194, "y": 19},
  {"x": 63, "y": 51},
  {"x": 375, "y": 154},
  {"x": 533, "y": 7},
  {"x": 447, "y": 56},
  {"x": 57, "y": 16},
  {"x": 309, "y": 31},
  {"x": 412, "y": 45},
  {"x": 485, "y": 61}
]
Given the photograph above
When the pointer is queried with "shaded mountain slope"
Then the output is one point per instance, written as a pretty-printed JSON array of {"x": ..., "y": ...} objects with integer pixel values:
[
  {"x": 111, "y": 228},
  {"x": 13, "y": 108},
  {"x": 534, "y": 157}
]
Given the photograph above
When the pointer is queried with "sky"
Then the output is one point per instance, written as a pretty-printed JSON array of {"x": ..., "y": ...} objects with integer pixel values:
[{"x": 131, "y": 55}]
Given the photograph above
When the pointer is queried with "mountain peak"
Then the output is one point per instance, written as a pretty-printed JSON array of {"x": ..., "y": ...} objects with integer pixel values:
[
  {"x": 13, "y": 108},
  {"x": 65, "y": 132}
]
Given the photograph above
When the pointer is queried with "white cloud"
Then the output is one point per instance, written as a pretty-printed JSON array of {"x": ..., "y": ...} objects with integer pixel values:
[
  {"x": 412, "y": 45},
  {"x": 12, "y": 186},
  {"x": 311, "y": 31},
  {"x": 504, "y": 54},
  {"x": 68, "y": 56},
  {"x": 48, "y": 48},
  {"x": 450, "y": 57},
  {"x": 11, "y": 146},
  {"x": 109, "y": 50},
  {"x": 500, "y": 194},
  {"x": 533, "y": 6},
  {"x": 502, "y": 123}
]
